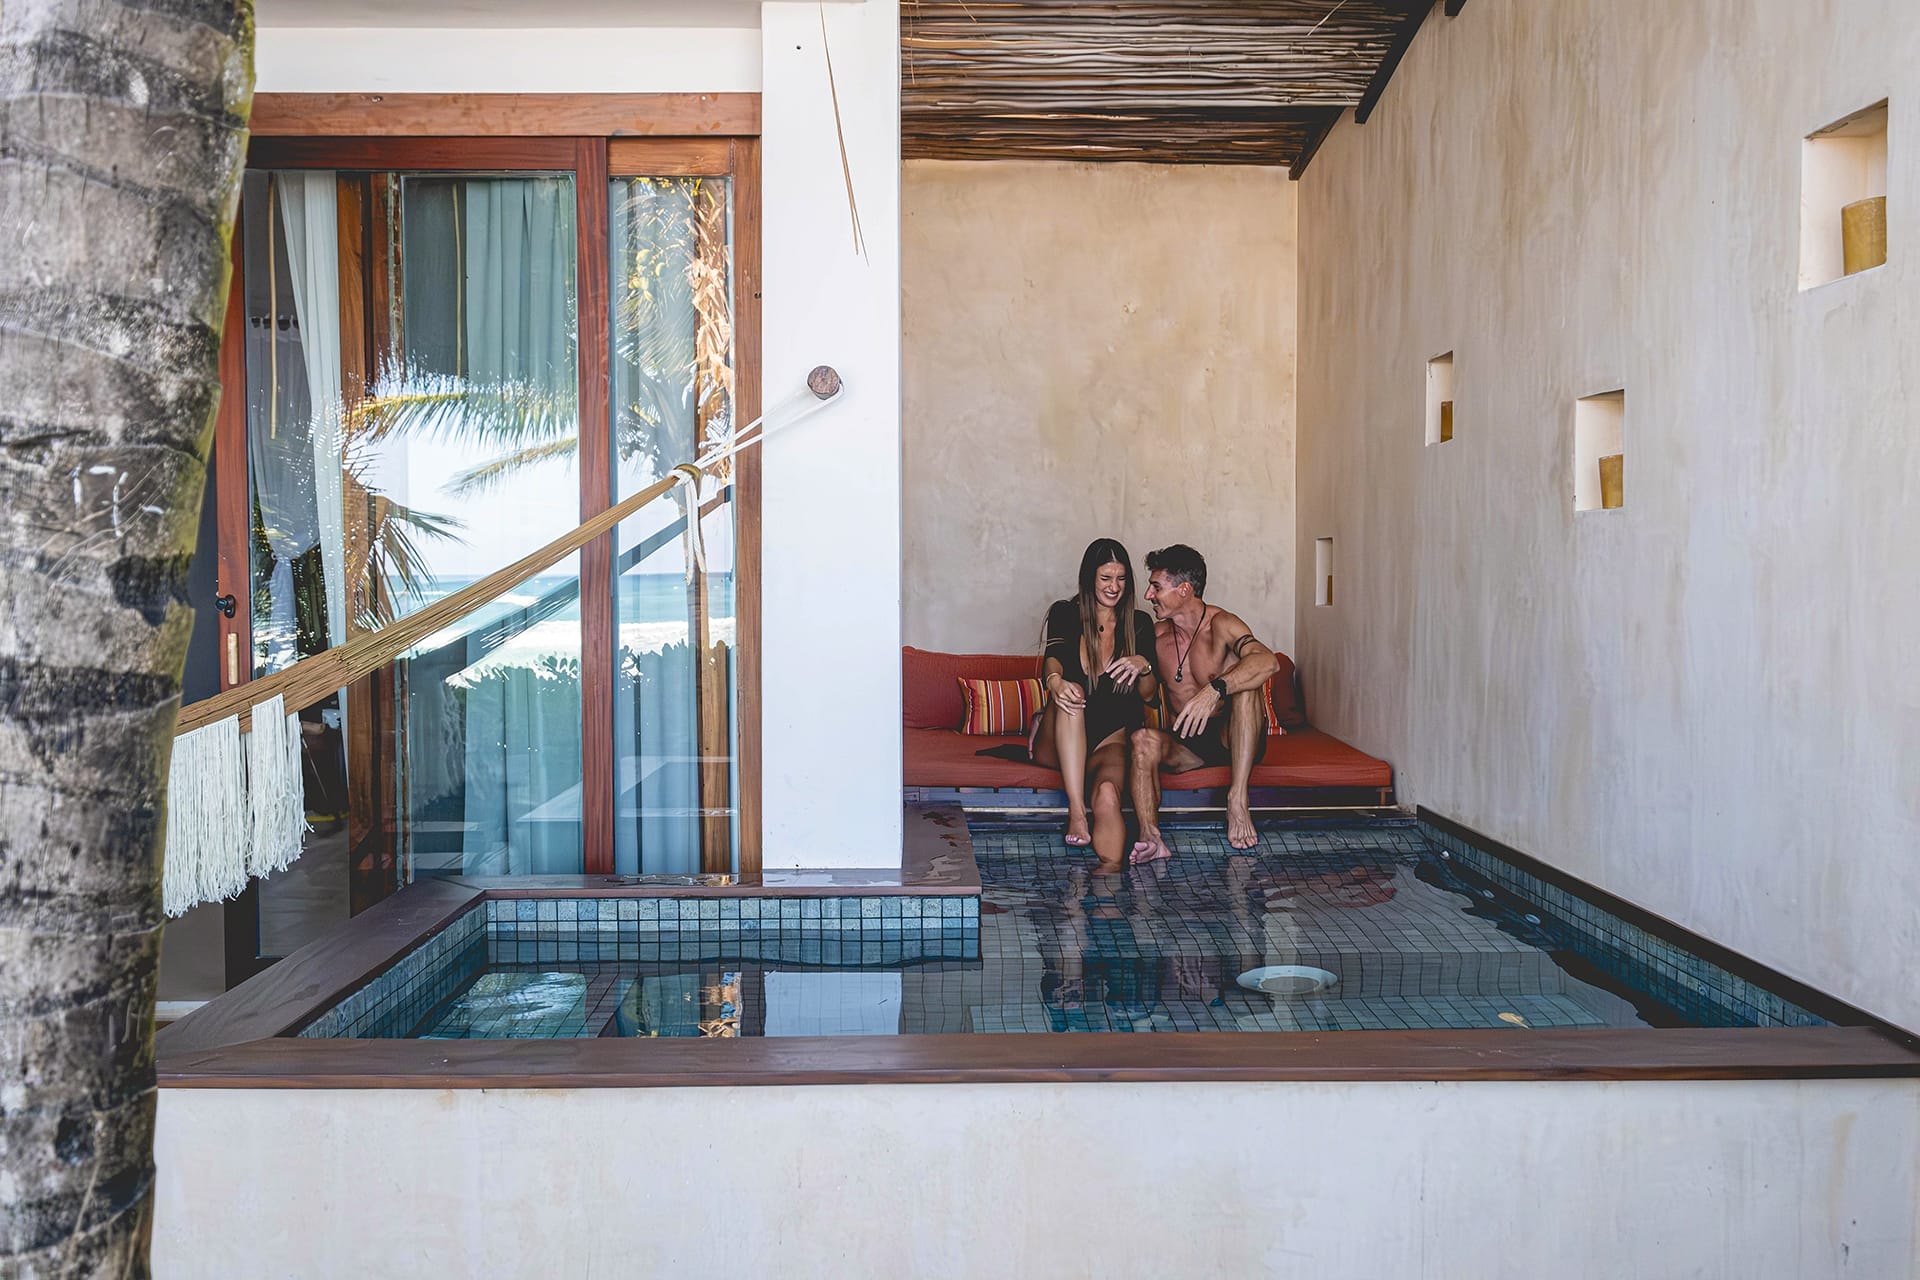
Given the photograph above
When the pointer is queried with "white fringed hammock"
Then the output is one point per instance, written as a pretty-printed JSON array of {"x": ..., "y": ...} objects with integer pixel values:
[{"x": 235, "y": 808}]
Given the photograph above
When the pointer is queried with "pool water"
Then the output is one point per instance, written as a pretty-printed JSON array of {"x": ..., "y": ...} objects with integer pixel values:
[{"x": 1364, "y": 925}]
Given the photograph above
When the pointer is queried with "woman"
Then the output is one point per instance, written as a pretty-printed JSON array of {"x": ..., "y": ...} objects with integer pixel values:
[{"x": 1088, "y": 719}]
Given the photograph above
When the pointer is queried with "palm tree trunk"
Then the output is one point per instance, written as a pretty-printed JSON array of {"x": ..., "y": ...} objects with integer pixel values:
[{"x": 122, "y": 139}]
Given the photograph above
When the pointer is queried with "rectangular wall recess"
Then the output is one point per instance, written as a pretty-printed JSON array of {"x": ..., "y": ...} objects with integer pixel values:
[
  {"x": 1323, "y": 571},
  {"x": 1843, "y": 197},
  {"x": 1599, "y": 451},
  {"x": 1440, "y": 399}
]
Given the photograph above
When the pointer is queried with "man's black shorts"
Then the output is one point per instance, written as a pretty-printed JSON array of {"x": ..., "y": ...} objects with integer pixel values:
[{"x": 1210, "y": 744}]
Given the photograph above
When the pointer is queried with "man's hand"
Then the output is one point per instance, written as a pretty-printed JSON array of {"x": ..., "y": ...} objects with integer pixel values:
[
  {"x": 1194, "y": 716},
  {"x": 1126, "y": 672}
]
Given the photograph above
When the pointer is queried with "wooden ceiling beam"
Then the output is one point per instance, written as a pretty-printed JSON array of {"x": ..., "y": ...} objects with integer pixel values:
[
  {"x": 1409, "y": 28},
  {"x": 1299, "y": 165}
]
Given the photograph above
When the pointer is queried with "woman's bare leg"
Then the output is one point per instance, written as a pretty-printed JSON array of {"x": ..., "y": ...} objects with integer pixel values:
[
  {"x": 1107, "y": 777},
  {"x": 1068, "y": 737}
]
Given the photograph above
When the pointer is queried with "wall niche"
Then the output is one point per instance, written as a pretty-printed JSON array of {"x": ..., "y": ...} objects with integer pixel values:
[
  {"x": 1323, "y": 571},
  {"x": 1599, "y": 451},
  {"x": 1843, "y": 197},
  {"x": 1440, "y": 399}
]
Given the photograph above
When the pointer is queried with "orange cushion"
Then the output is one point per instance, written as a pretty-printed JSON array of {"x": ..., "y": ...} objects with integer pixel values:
[
  {"x": 1303, "y": 758},
  {"x": 998, "y": 707},
  {"x": 946, "y": 758},
  {"x": 930, "y": 694}
]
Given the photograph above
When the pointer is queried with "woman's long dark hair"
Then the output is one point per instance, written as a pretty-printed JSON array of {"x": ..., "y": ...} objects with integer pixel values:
[{"x": 1100, "y": 553}]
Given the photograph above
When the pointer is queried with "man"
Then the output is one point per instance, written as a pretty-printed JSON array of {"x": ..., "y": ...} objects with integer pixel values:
[{"x": 1213, "y": 669}]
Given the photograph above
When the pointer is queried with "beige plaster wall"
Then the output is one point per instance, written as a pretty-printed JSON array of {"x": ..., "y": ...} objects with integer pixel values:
[
  {"x": 1515, "y": 1181},
  {"x": 1093, "y": 350},
  {"x": 1707, "y": 701}
]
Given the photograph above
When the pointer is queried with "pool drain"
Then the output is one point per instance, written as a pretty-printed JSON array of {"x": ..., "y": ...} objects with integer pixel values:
[{"x": 1288, "y": 979}]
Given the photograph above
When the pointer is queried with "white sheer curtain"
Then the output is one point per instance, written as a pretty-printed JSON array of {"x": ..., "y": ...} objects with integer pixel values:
[
  {"x": 293, "y": 448},
  {"x": 307, "y": 217}
]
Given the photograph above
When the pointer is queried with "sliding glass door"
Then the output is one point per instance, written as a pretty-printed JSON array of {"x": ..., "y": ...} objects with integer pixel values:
[{"x": 454, "y": 350}]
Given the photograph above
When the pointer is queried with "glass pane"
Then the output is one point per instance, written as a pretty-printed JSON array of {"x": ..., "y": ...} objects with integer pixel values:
[
  {"x": 297, "y": 595},
  {"x": 467, "y": 459},
  {"x": 672, "y": 363}
]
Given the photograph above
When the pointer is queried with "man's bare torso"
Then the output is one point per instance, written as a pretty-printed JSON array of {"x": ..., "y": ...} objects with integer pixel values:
[{"x": 1208, "y": 657}]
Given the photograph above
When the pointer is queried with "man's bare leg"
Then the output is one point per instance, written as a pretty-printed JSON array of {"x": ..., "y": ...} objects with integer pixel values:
[
  {"x": 1154, "y": 750},
  {"x": 1244, "y": 733}
]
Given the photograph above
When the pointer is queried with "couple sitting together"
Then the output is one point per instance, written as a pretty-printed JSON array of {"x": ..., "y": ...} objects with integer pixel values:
[{"x": 1106, "y": 662}]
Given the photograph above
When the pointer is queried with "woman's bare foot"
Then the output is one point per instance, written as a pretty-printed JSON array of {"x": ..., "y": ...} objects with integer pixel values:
[
  {"x": 1150, "y": 847},
  {"x": 1078, "y": 836},
  {"x": 1240, "y": 832}
]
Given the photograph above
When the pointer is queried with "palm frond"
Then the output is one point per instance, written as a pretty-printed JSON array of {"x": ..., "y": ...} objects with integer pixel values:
[
  {"x": 383, "y": 561},
  {"x": 488, "y": 474},
  {"x": 507, "y": 412}
]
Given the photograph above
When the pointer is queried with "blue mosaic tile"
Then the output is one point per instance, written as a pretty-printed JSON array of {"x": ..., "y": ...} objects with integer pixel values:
[{"x": 1421, "y": 931}]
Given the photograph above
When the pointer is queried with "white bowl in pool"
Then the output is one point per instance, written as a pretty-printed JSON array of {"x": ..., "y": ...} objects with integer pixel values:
[{"x": 1288, "y": 979}]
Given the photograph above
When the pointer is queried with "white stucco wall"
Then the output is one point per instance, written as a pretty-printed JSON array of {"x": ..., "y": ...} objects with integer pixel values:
[
  {"x": 1517, "y": 1181},
  {"x": 1707, "y": 701},
  {"x": 831, "y": 595},
  {"x": 1093, "y": 350}
]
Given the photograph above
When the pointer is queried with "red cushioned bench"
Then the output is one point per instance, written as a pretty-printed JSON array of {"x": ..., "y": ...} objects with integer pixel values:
[{"x": 1302, "y": 766}]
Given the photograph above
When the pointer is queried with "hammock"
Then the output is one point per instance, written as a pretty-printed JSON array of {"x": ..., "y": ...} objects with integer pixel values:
[{"x": 234, "y": 806}]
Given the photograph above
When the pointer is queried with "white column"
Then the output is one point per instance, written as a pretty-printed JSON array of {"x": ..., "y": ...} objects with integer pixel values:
[{"x": 831, "y": 510}]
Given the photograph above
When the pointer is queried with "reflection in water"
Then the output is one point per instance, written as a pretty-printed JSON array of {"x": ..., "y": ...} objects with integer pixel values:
[{"x": 1066, "y": 946}]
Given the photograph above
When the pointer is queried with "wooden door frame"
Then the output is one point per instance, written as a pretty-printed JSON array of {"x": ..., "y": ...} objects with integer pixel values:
[{"x": 589, "y": 135}]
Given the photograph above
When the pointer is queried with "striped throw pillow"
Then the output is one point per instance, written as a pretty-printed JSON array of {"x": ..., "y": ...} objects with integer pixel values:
[
  {"x": 1274, "y": 728},
  {"x": 999, "y": 707}
]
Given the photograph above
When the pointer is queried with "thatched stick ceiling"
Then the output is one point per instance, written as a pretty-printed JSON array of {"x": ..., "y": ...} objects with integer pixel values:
[{"x": 1193, "y": 81}]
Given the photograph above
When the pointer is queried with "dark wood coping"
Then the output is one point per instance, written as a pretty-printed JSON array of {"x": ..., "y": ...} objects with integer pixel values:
[
  {"x": 286, "y": 996},
  {"x": 1692, "y": 1054},
  {"x": 1813, "y": 1000}
]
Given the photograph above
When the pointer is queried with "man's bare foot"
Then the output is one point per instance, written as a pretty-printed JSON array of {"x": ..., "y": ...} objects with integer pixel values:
[
  {"x": 1078, "y": 836},
  {"x": 1240, "y": 832},
  {"x": 1149, "y": 847}
]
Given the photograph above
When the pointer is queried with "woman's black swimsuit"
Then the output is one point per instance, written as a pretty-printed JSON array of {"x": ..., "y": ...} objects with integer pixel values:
[{"x": 1108, "y": 707}]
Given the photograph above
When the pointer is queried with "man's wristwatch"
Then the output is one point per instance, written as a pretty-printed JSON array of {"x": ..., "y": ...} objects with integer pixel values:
[{"x": 1219, "y": 685}]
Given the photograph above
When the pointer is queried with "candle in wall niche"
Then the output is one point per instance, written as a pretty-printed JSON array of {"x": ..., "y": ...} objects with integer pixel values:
[
  {"x": 1610, "y": 477},
  {"x": 1863, "y": 234},
  {"x": 1446, "y": 420}
]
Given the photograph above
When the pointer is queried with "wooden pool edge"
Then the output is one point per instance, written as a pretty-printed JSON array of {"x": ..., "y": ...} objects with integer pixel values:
[{"x": 1797, "y": 1053}]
